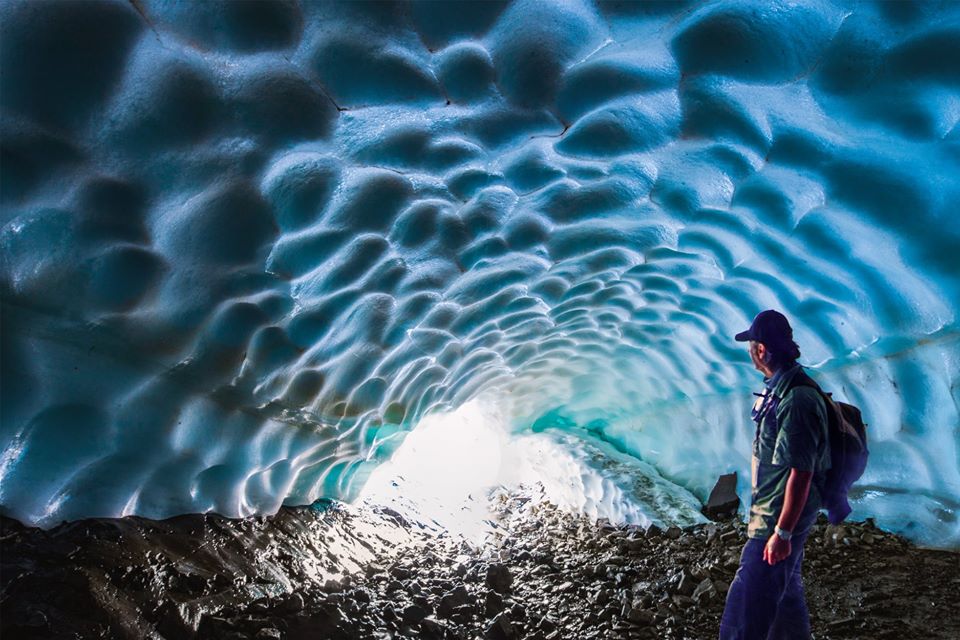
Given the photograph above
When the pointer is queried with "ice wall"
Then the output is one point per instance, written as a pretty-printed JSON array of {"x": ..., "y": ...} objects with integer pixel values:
[{"x": 247, "y": 245}]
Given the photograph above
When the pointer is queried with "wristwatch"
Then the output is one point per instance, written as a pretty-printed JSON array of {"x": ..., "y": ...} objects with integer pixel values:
[{"x": 784, "y": 534}]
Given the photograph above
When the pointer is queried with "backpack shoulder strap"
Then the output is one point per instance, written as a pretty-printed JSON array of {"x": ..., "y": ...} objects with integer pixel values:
[{"x": 801, "y": 379}]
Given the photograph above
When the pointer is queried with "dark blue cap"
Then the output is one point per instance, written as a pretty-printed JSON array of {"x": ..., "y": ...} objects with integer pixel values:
[{"x": 769, "y": 327}]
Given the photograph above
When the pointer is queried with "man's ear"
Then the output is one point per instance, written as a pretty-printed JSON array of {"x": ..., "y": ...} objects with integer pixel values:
[{"x": 761, "y": 350}]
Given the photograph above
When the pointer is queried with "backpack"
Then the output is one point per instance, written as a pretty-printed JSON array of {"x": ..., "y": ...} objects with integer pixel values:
[{"x": 848, "y": 451}]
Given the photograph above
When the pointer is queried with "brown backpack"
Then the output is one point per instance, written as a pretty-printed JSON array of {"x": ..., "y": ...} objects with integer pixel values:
[{"x": 848, "y": 451}]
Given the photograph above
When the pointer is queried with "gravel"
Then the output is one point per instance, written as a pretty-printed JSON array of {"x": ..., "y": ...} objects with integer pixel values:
[{"x": 543, "y": 574}]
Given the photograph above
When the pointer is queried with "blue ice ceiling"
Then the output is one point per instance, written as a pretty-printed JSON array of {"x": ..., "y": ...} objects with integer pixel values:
[{"x": 247, "y": 245}]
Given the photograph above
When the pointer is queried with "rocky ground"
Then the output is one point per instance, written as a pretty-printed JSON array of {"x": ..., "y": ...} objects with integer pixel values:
[{"x": 342, "y": 572}]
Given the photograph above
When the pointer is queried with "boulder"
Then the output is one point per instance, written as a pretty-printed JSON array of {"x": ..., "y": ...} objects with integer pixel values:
[
  {"x": 493, "y": 604},
  {"x": 723, "y": 502},
  {"x": 499, "y": 578},
  {"x": 500, "y": 628},
  {"x": 454, "y": 598}
]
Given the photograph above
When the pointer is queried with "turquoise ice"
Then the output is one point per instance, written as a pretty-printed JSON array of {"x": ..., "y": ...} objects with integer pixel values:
[{"x": 247, "y": 246}]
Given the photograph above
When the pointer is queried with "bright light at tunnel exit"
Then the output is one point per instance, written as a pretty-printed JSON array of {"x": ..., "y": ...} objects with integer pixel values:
[
  {"x": 448, "y": 465},
  {"x": 445, "y": 467}
]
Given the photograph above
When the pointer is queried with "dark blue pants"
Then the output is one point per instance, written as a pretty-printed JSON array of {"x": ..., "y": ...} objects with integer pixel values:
[{"x": 764, "y": 602}]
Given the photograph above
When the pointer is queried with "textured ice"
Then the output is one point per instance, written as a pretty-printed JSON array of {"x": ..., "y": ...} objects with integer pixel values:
[{"x": 247, "y": 246}]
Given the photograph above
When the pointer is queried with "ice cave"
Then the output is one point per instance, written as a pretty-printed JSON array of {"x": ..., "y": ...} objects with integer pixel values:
[{"x": 264, "y": 253}]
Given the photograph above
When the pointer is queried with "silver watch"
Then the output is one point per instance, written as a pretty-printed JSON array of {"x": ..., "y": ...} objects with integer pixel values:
[{"x": 783, "y": 533}]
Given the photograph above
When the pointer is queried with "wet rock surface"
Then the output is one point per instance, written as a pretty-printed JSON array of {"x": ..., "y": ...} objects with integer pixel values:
[
  {"x": 723, "y": 501},
  {"x": 542, "y": 574}
]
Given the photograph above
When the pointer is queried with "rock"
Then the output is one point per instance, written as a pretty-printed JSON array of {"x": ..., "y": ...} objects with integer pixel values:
[
  {"x": 393, "y": 585},
  {"x": 431, "y": 628},
  {"x": 260, "y": 605},
  {"x": 546, "y": 624},
  {"x": 413, "y": 614},
  {"x": 705, "y": 592},
  {"x": 423, "y": 603},
  {"x": 711, "y": 532},
  {"x": 633, "y": 545},
  {"x": 400, "y": 572},
  {"x": 451, "y": 600},
  {"x": 729, "y": 536},
  {"x": 35, "y": 620},
  {"x": 673, "y": 532},
  {"x": 361, "y": 595},
  {"x": 834, "y": 535},
  {"x": 463, "y": 613},
  {"x": 499, "y": 578},
  {"x": 500, "y": 628},
  {"x": 639, "y": 616},
  {"x": 564, "y": 587},
  {"x": 331, "y": 586},
  {"x": 687, "y": 583},
  {"x": 723, "y": 502},
  {"x": 699, "y": 573},
  {"x": 493, "y": 604},
  {"x": 268, "y": 633},
  {"x": 653, "y": 531},
  {"x": 682, "y": 600},
  {"x": 609, "y": 612},
  {"x": 842, "y": 622},
  {"x": 291, "y": 603}
]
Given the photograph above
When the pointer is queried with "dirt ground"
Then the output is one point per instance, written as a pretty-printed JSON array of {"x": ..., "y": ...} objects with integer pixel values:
[{"x": 542, "y": 574}]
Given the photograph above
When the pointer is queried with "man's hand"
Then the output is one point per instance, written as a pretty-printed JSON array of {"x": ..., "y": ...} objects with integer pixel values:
[
  {"x": 795, "y": 497},
  {"x": 777, "y": 549}
]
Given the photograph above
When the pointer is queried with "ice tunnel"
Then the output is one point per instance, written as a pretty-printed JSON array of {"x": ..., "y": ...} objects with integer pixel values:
[{"x": 248, "y": 247}]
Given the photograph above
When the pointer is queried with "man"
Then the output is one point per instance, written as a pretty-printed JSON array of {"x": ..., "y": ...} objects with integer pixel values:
[{"x": 790, "y": 459}]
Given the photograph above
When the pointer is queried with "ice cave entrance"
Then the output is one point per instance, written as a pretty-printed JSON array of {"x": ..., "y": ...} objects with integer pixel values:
[{"x": 449, "y": 466}]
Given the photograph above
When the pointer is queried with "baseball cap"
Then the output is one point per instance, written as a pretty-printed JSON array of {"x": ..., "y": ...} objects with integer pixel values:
[{"x": 769, "y": 327}]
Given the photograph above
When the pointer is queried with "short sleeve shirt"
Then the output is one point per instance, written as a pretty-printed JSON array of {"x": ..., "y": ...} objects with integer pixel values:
[{"x": 791, "y": 434}]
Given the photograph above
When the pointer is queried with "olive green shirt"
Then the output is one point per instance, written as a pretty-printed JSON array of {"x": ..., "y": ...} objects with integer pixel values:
[{"x": 792, "y": 434}]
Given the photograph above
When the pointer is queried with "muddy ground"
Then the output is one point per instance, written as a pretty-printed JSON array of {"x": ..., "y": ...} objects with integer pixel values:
[{"x": 336, "y": 571}]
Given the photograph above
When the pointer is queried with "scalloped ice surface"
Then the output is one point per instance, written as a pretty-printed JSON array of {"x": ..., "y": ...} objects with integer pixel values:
[{"x": 247, "y": 246}]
